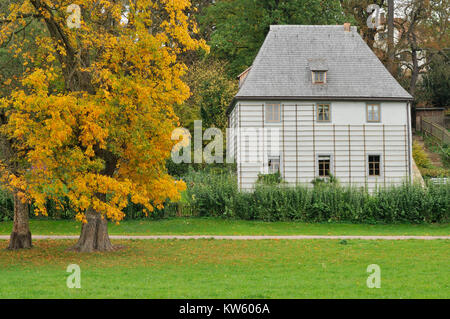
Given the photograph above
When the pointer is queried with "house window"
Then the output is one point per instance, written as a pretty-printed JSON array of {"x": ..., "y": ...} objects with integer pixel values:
[
  {"x": 273, "y": 112},
  {"x": 274, "y": 165},
  {"x": 324, "y": 164},
  {"x": 373, "y": 112},
  {"x": 319, "y": 77},
  {"x": 374, "y": 165},
  {"x": 323, "y": 112}
]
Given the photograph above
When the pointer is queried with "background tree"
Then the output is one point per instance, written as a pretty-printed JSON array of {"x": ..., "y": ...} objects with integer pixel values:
[
  {"x": 216, "y": 91},
  {"x": 423, "y": 34},
  {"x": 239, "y": 27},
  {"x": 212, "y": 91},
  {"x": 356, "y": 10},
  {"x": 12, "y": 161},
  {"x": 196, "y": 10},
  {"x": 95, "y": 118},
  {"x": 435, "y": 86}
]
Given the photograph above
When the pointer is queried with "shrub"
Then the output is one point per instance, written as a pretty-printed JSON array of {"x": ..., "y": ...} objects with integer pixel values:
[
  {"x": 319, "y": 181},
  {"x": 211, "y": 193},
  {"x": 435, "y": 172},
  {"x": 444, "y": 151},
  {"x": 217, "y": 195},
  {"x": 176, "y": 170},
  {"x": 6, "y": 206},
  {"x": 439, "y": 147},
  {"x": 420, "y": 157},
  {"x": 132, "y": 211},
  {"x": 269, "y": 179}
]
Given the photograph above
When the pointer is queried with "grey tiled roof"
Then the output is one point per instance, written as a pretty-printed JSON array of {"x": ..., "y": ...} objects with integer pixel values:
[
  {"x": 317, "y": 64},
  {"x": 283, "y": 65}
]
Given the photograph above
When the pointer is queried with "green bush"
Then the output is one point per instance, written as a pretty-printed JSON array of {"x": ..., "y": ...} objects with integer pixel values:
[
  {"x": 211, "y": 193},
  {"x": 6, "y": 206},
  {"x": 269, "y": 179},
  {"x": 217, "y": 195},
  {"x": 319, "y": 181},
  {"x": 132, "y": 211},
  {"x": 444, "y": 151},
  {"x": 438, "y": 147},
  {"x": 435, "y": 172},
  {"x": 420, "y": 157}
]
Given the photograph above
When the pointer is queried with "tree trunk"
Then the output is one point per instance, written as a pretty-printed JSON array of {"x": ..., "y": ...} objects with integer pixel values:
[
  {"x": 412, "y": 86},
  {"x": 390, "y": 38},
  {"x": 94, "y": 234},
  {"x": 21, "y": 235}
]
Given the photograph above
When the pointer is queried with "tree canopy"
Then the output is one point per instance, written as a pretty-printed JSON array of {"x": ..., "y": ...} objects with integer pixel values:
[
  {"x": 93, "y": 116},
  {"x": 237, "y": 28}
]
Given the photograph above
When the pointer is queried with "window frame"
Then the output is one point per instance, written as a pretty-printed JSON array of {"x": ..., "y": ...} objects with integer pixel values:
[
  {"x": 330, "y": 171},
  {"x": 313, "y": 76},
  {"x": 329, "y": 112},
  {"x": 266, "y": 119},
  {"x": 380, "y": 165},
  {"x": 367, "y": 112},
  {"x": 270, "y": 158}
]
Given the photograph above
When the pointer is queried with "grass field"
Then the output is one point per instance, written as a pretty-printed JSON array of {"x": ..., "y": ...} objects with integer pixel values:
[
  {"x": 230, "y": 269},
  {"x": 214, "y": 226}
]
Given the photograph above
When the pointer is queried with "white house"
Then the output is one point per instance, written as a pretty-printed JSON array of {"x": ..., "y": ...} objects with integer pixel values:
[{"x": 326, "y": 105}]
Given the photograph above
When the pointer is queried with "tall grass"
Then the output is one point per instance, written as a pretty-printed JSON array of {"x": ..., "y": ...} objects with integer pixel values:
[
  {"x": 217, "y": 195},
  {"x": 211, "y": 193}
]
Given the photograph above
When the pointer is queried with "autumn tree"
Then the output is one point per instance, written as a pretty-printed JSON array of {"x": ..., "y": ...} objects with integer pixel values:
[
  {"x": 197, "y": 10},
  {"x": 423, "y": 35},
  {"x": 94, "y": 118},
  {"x": 12, "y": 165},
  {"x": 11, "y": 159}
]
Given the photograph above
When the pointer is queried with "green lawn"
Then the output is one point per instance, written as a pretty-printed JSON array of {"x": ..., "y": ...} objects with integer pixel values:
[
  {"x": 230, "y": 269},
  {"x": 212, "y": 226}
]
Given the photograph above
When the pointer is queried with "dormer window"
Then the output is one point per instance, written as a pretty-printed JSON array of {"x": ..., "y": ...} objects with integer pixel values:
[
  {"x": 319, "y": 77},
  {"x": 318, "y": 68}
]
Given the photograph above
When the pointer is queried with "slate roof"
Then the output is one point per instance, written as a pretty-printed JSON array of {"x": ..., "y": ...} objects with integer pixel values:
[{"x": 282, "y": 68}]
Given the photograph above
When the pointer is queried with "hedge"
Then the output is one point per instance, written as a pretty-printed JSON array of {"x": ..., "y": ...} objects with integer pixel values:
[
  {"x": 214, "y": 193},
  {"x": 218, "y": 196}
]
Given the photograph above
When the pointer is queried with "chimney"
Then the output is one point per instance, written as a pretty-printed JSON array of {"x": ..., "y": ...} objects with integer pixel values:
[{"x": 347, "y": 27}]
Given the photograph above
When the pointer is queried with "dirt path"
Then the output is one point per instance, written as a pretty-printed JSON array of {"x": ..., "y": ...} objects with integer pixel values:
[{"x": 294, "y": 237}]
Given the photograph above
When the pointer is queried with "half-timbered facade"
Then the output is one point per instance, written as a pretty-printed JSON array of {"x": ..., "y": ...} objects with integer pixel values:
[{"x": 318, "y": 102}]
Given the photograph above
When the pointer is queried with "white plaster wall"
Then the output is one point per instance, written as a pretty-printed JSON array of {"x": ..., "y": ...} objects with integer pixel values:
[{"x": 301, "y": 139}]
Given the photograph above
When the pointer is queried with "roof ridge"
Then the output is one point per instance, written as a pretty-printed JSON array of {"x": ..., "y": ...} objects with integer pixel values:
[
  {"x": 277, "y": 28},
  {"x": 282, "y": 26}
]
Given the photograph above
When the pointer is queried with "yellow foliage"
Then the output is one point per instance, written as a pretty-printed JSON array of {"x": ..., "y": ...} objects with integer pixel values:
[
  {"x": 102, "y": 142},
  {"x": 420, "y": 157}
]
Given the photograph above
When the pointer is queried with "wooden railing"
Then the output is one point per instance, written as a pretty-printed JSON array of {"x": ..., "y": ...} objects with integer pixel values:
[{"x": 436, "y": 130}]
